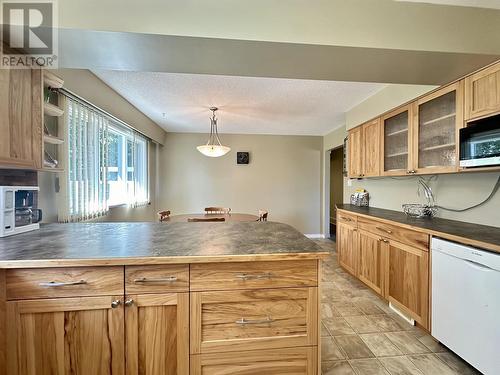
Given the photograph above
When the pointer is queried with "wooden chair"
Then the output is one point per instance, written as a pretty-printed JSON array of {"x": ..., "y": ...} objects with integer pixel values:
[
  {"x": 263, "y": 215},
  {"x": 217, "y": 210},
  {"x": 164, "y": 215},
  {"x": 205, "y": 220}
]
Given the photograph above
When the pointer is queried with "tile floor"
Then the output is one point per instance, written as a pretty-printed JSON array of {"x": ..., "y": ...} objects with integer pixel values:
[{"x": 361, "y": 336}]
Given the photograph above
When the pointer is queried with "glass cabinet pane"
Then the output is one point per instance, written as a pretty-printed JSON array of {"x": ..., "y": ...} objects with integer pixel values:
[
  {"x": 436, "y": 132},
  {"x": 396, "y": 142}
]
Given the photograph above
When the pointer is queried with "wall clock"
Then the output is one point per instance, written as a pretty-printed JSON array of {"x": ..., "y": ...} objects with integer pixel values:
[{"x": 242, "y": 157}]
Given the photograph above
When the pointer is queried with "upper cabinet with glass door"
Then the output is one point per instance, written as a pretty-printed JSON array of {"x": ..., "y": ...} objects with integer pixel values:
[
  {"x": 438, "y": 117},
  {"x": 396, "y": 140}
]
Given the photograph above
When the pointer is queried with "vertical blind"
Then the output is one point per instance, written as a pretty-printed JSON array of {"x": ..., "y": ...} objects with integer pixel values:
[{"x": 106, "y": 164}]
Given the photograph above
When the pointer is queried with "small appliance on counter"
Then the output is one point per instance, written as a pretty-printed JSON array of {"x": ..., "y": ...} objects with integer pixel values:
[
  {"x": 480, "y": 143},
  {"x": 360, "y": 198},
  {"x": 19, "y": 210}
]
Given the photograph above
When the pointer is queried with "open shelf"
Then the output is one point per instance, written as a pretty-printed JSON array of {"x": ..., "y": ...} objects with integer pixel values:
[
  {"x": 433, "y": 121},
  {"x": 52, "y": 110},
  {"x": 52, "y": 140},
  {"x": 55, "y": 170},
  {"x": 51, "y": 80}
]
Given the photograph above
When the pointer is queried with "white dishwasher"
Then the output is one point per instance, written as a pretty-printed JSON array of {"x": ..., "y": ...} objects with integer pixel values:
[{"x": 466, "y": 303}]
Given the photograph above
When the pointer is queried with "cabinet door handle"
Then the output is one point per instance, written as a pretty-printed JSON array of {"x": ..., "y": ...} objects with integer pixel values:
[
  {"x": 244, "y": 321},
  {"x": 169, "y": 279},
  {"x": 115, "y": 303},
  {"x": 388, "y": 231},
  {"x": 129, "y": 302},
  {"x": 245, "y": 276},
  {"x": 412, "y": 171},
  {"x": 346, "y": 218},
  {"x": 60, "y": 283}
]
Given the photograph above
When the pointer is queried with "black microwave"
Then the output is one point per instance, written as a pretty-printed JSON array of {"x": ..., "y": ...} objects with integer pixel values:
[{"x": 480, "y": 143}]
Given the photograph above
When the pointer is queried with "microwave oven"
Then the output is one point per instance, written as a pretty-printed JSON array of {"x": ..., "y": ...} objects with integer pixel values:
[
  {"x": 480, "y": 143},
  {"x": 19, "y": 210}
]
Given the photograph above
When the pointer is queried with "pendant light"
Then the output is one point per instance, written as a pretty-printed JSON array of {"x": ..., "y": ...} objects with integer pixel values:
[{"x": 213, "y": 148}]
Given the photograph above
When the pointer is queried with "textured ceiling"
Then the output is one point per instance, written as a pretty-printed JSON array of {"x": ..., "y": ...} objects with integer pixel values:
[
  {"x": 247, "y": 105},
  {"x": 492, "y": 4}
]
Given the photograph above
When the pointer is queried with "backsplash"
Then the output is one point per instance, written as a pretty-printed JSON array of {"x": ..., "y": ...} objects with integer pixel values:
[{"x": 452, "y": 191}]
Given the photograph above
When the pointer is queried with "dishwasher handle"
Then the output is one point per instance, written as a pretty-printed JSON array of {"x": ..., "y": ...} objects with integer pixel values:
[{"x": 478, "y": 266}]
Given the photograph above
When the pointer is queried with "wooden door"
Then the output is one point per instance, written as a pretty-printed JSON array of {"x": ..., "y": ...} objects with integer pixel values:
[
  {"x": 395, "y": 155},
  {"x": 355, "y": 150},
  {"x": 289, "y": 361},
  {"x": 371, "y": 148},
  {"x": 157, "y": 334},
  {"x": 370, "y": 260},
  {"x": 21, "y": 118},
  {"x": 347, "y": 248},
  {"x": 435, "y": 136},
  {"x": 407, "y": 280},
  {"x": 482, "y": 93},
  {"x": 65, "y": 336}
]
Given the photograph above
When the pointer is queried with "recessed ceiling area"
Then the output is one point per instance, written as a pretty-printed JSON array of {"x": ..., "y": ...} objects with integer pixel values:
[{"x": 247, "y": 105}]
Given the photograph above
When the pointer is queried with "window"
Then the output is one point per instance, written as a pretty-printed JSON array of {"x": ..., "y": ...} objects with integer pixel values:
[
  {"x": 107, "y": 164},
  {"x": 126, "y": 167}
]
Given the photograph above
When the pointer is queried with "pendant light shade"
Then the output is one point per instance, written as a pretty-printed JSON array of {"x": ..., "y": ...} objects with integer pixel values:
[{"x": 214, "y": 147}]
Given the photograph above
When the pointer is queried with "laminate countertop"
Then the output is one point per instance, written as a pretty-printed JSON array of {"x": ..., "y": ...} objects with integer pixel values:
[
  {"x": 155, "y": 243},
  {"x": 482, "y": 236}
]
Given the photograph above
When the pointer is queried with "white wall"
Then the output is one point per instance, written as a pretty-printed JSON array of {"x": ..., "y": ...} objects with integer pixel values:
[{"x": 283, "y": 176}]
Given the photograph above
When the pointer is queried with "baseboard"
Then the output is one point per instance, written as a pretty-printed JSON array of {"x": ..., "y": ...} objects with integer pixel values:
[{"x": 315, "y": 236}]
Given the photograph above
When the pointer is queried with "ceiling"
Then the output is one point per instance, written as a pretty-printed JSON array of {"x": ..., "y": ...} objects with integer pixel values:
[
  {"x": 247, "y": 105},
  {"x": 488, "y": 4}
]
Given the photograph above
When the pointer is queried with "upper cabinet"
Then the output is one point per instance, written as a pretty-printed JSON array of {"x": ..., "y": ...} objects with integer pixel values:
[
  {"x": 21, "y": 118},
  {"x": 364, "y": 150},
  {"x": 396, "y": 142},
  {"x": 482, "y": 93},
  {"x": 437, "y": 119}
]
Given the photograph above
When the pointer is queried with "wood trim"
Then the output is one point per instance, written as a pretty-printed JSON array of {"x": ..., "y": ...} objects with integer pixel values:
[
  {"x": 318, "y": 317},
  {"x": 3, "y": 323},
  {"x": 451, "y": 237}
]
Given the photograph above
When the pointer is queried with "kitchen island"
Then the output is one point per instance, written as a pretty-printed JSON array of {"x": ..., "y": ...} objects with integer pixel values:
[{"x": 154, "y": 298}]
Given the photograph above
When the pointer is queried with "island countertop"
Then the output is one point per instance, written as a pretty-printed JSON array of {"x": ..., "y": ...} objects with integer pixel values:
[{"x": 93, "y": 244}]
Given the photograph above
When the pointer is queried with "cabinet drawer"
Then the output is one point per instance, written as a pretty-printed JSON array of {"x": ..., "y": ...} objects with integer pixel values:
[
  {"x": 290, "y": 361},
  {"x": 64, "y": 282},
  {"x": 156, "y": 279},
  {"x": 394, "y": 232},
  {"x": 254, "y": 275},
  {"x": 343, "y": 217},
  {"x": 253, "y": 319}
]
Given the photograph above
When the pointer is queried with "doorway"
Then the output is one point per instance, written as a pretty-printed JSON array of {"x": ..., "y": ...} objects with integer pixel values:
[{"x": 336, "y": 186}]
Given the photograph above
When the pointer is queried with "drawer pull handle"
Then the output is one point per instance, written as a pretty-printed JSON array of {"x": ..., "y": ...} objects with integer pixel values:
[
  {"x": 388, "y": 231},
  {"x": 346, "y": 218},
  {"x": 383, "y": 240},
  {"x": 57, "y": 283},
  {"x": 244, "y": 321},
  {"x": 169, "y": 279},
  {"x": 245, "y": 276}
]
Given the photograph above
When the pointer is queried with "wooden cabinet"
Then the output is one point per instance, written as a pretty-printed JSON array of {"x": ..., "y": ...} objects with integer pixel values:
[
  {"x": 21, "y": 118},
  {"x": 223, "y": 321},
  {"x": 437, "y": 120},
  {"x": 396, "y": 140},
  {"x": 65, "y": 336},
  {"x": 407, "y": 280},
  {"x": 364, "y": 150},
  {"x": 371, "y": 260},
  {"x": 157, "y": 334},
  {"x": 290, "y": 361},
  {"x": 482, "y": 93},
  {"x": 347, "y": 246},
  {"x": 355, "y": 153}
]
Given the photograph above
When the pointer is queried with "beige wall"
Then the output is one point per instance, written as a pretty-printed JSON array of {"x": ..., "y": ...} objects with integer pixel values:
[{"x": 283, "y": 176}]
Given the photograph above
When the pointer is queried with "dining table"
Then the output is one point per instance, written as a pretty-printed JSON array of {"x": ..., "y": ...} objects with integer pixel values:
[{"x": 233, "y": 217}]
